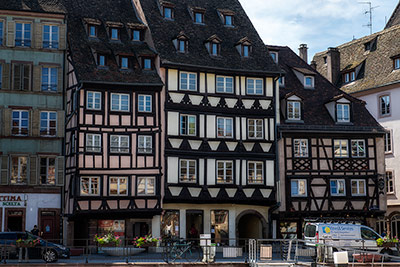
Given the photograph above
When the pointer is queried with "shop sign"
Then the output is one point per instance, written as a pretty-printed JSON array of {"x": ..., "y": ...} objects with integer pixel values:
[{"x": 12, "y": 200}]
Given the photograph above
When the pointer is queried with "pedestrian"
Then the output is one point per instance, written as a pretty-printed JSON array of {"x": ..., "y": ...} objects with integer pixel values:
[{"x": 35, "y": 231}]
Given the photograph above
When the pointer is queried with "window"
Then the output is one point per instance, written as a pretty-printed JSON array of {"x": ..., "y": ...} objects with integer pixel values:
[
  {"x": 92, "y": 29},
  {"x": 388, "y": 141},
  {"x": 168, "y": 12},
  {"x": 136, "y": 35},
  {"x": 228, "y": 20},
  {"x": 145, "y": 144},
  {"x": 246, "y": 50},
  {"x": 19, "y": 169},
  {"x": 118, "y": 186},
  {"x": 23, "y": 34},
  {"x": 182, "y": 46},
  {"x": 119, "y": 102},
  {"x": 368, "y": 234},
  {"x": 298, "y": 188},
  {"x": 93, "y": 143},
  {"x": 214, "y": 49},
  {"x": 308, "y": 81},
  {"x": 255, "y": 172},
  {"x": 188, "y": 125},
  {"x": 358, "y": 148},
  {"x": 124, "y": 63},
  {"x": 281, "y": 81},
  {"x": 147, "y": 64},
  {"x": 21, "y": 76},
  {"x": 254, "y": 86},
  {"x": 145, "y": 104},
  {"x": 49, "y": 79},
  {"x": 384, "y": 102},
  {"x": 343, "y": 112},
  {"x": 198, "y": 17},
  {"x": 349, "y": 77},
  {"x": 224, "y": 172},
  {"x": 48, "y": 123},
  {"x": 255, "y": 128},
  {"x": 187, "y": 172},
  {"x": 114, "y": 33},
  {"x": 396, "y": 63},
  {"x": 50, "y": 36},
  {"x": 101, "y": 60},
  {"x": 358, "y": 188},
  {"x": 119, "y": 144},
  {"x": 90, "y": 186},
  {"x": 294, "y": 110},
  {"x": 146, "y": 186},
  {"x": 224, "y": 84},
  {"x": 389, "y": 182},
  {"x": 341, "y": 149},
  {"x": 300, "y": 148},
  {"x": 220, "y": 227},
  {"x": 338, "y": 187},
  {"x": 48, "y": 171},
  {"x": 93, "y": 100},
  {"x": 188, "y": 81},
  {"x": 1, "y": 34},
  {"x": 274, "y": 56},
  {"x": 20, "y": 121},
  {"x": 1, "y": 73},
  {"x": 225, "y": 127}
]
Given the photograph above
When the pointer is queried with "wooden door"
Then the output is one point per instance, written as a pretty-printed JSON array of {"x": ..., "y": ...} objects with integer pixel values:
[{"x": 49, "y": 226}]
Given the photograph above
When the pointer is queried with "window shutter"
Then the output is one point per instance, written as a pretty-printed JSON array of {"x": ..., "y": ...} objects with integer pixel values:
[
  {"x": 38, "y": 35},
  {"x": 62, "y": 38},
  {"x": 27, "y": 77},
  {"x": 6, "y": 77},
  {"x": 60, "y": 123},
  {"x": 37, "y": 78},
  {"x": 4, "y": 170},
  {"x": 60, "y": 85},
  {"x": 7, "y": 122},
  {"x": 11, "y": 34},
  {"x": 16, "y": 76},
  {"x": 60, "y": 170},
  {"x": 33, "y": 170},
  {"x": 34, "y": 117}
]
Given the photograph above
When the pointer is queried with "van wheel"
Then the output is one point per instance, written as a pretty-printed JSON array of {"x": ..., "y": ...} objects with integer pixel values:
[{"x": 50, "y": 256}]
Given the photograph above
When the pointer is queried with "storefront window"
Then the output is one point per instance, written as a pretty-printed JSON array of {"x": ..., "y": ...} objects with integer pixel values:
[
  {"x": 114, "y": 226},
  {"x": 220, "y": 226},
  {"x": 170, "y": 223},
  {"x": 288, "y": 230}
]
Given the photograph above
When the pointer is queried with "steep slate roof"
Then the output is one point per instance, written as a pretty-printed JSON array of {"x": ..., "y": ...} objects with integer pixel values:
[
  {"x": 377, "y": 66},
  {"x": 316, "y": 116},
  {"x": 43, "y": 6},
  {"x": 82, "y": 47},
  {"x": 164, "y": 31},
  {"x": 395, "y": 18}
]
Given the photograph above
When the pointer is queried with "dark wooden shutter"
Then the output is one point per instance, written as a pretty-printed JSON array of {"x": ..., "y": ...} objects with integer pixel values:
[
  {"x": 5, "y": 83},
  {"x": 17, "y": 68},
  {"x": 62, "y": 40},
  {"x": 10, "y": 33},
  {"x": 60, "y": 170},
  {"x": 33, "y": 170},
  {"x": 4, "y": 173},
  {"x": 27, "y": 77}
]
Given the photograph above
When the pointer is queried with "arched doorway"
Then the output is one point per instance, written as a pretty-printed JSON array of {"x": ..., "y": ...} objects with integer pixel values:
[{"x": 251, "y": 224}]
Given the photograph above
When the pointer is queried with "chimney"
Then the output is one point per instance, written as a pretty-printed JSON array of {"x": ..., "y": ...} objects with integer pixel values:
[
  {"x": 333, "y": 64},
  {"x": 303, "y": 53}
]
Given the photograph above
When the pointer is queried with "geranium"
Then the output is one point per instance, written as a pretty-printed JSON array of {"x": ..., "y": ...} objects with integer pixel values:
[
  {"x": 108, "y": 239},
  {"x": 144, "y": 241},
  {"x": 30, "y": 242}
]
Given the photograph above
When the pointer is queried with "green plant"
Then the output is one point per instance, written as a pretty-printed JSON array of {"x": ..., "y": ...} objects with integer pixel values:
[
  {"x": 30, "y": 242},
  {"x": 108, "y": 239},
  {"x": 381, "y": 241},
  {"x": 144, "y": 241}
]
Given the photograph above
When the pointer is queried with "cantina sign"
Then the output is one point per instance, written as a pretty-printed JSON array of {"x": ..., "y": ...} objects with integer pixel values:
[{"x": 12, "y": 200}]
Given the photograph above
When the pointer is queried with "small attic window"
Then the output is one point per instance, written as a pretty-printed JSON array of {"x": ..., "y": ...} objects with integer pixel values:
[
  {"x": 181, "y": 43},
  {"x": 367, "y": 46},
  {"x": 136, "y": 35},
  {"x": 308, "y": 81},
  {"x": 147, "y": 63},
  {"x": 213, "y": 45},
  {"x": 125, "y": 62},
  {"x": 168, "y": 12},
  {"x": 282, "y": 81},
  {"x": 214, "y": 49},
  {"x": 228, "y": 20},
  {"x": 198, "y": 17},
  {"x": 244, "y": 47},
  {"x": 182, "y": 46},
  {"x": 274, "y": 56},
  {"x": 114, "y": 33},
  {"x": 92, "y": 30},
  {"x": 342, "y": 112},
  {"x": 325, "y": 60},
  {"x": 349, "y": 76},
  {"x": 101, "y": 60},
  {"x": 396, "y": 63}
]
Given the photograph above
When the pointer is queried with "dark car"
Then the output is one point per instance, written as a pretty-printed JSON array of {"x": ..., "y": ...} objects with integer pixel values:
[{"x": 48, "y": 251}]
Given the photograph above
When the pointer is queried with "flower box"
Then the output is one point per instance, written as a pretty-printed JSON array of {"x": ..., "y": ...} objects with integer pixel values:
[
  {"x": 367, "y": 257},
  {"x": 388, "y": 244}
]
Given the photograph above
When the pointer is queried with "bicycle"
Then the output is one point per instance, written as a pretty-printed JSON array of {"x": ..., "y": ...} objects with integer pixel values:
[{"x": 178, "y": 249}]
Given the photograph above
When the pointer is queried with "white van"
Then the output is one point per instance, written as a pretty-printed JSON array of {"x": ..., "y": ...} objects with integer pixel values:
[{"x": 344, "y": 235}]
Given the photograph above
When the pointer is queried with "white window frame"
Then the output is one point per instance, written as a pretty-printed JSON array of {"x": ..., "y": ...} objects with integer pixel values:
[
  {"x": 118, "y": 186},
  {"x": 341, "y": 146},
  {"x": 357, "y": 142},
  {"x": 120, "y": 106},
  {"x": 187, "y": 172},
  {"x": 254, "y": 166},
  {"x": 224, "y": 84},
  {"x": 145, "y": 106},
  {"x": 344, "y": 106},
  {"x": 338, "y": 182},
  {"x": 300, "y": 148},
  {"x": 19, "y": 180},
  {"x": 388, "y": 142},
  {"x": 257, "y": 132},
  {"x": 20, "y": 119},
  {"x": 298, "y": 181},
  {"x": 51, "y": 85},
  {"x": 146, "y": 186},
  {"x": 91, "y": 138},
  {"x": 312, "y": 81},
  {"x": 224, "y": 169},
  {"x": 185, "y": 131},
  {"x": 254, "y": 88},
  {"x": 23, "y": 39},
  {"x": 225, "y": 132},
  {"x": 142, "y": 144},
  {"x": 47, "y": 170},
  {"x": 119, "y": 148},
  {"x": 188, "y": 79},
  {"x": 358, "y": 187},
  {"x": 92, "y": 105},
  {"x": 90, "y": 188},
  {"x": 390, "y": 182},
  {"x": 291, "y": 110},
  {"x": 52, "y": 44},
  {"x": 384, "y": 110},
  {"x": 48, "y": 128}
]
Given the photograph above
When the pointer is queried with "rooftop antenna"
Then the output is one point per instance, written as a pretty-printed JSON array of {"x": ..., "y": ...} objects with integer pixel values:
[{"x": 369, "y": 25}]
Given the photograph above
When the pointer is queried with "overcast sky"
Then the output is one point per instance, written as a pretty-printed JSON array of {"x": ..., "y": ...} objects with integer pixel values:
[{"x": 318, "y": 23}]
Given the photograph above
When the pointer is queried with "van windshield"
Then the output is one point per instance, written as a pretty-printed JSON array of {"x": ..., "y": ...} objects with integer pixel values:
[
  {"x": 368, "y": 234},
  {"x": 310, "y": 230}
]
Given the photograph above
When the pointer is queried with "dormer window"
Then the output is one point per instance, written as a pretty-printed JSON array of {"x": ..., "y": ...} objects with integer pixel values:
[
  {"x": 114, "y": 33},
  {"x": 92, "y": 29},
  {"x": 214, "y": 49},
  {"x": 244, "y": 47},
  {"x": 147, "y": 64},
  {"x": 124, "y": 62},
  {"x": 396, "y": 63},
  {"x": 342, "y": 112},
  {"x": 294, "y": 110},
  {"x": 367, "y": 46},
  {"x": 274, "y": 56},
  {"x": 228, "y": 20},
  {"x": 199, "y": 17},
  {"x": 246, "y": 50},
  {"x": 309, "y": 81},
  {"x": 136, "y": 35},
  {"x": 281, "y": 81},
  {"x": 101, "y": 60},
  {"x": 182, "y": 44},
  {"x": 349, "y": 77},
  {"x": 168, "y": 12},
  {"x": 213, "y": 45}
]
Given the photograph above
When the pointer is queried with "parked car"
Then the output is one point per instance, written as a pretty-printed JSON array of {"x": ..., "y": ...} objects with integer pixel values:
[{"x": 48, "y": 251}]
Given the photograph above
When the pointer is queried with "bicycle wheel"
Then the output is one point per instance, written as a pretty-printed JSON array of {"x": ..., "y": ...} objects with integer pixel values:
[
  {"x": 166, "y": 254},
  {"x": 193, "y": 254}
]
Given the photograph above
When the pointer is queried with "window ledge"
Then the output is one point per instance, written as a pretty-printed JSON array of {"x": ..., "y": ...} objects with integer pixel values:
[
  {"x": 344, "y": 123},
  {"x": 294, "y": 121}
]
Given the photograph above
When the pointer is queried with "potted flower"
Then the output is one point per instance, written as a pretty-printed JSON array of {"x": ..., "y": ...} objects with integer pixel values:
[
  {"x": 27, "y": 243},
  {"x": 145, "y": 242},
  {"x": 387, "y": 242},
  {"x": 108, "y": 240}
]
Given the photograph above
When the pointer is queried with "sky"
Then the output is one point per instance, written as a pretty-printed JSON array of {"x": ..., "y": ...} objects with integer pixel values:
[{"x": 318, "y": 23}]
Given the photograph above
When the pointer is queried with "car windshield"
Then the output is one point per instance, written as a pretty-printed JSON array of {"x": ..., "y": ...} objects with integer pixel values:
[
  {"x": 310, "y": 230},
  {"x": 368, "y": 234}
]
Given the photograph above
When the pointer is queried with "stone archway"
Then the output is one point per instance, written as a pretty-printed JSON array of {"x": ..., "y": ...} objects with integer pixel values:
[{"x": 250, "y": 224}]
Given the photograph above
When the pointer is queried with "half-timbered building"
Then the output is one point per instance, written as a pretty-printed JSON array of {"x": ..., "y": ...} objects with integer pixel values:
[
  {"x": 220, "y": 116},
  {"x": 113, "y": 141},
  {"x": 331, "y": 153}
]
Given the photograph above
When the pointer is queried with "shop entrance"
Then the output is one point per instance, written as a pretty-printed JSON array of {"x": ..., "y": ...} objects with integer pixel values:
[
  {"x": 15, "y": 220},
  {"x": 141, "y": 229},
  {"x": 251, "y": 224},
  {"x": 49, "y": 225},
  {"x": 194, "y": 223}
]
